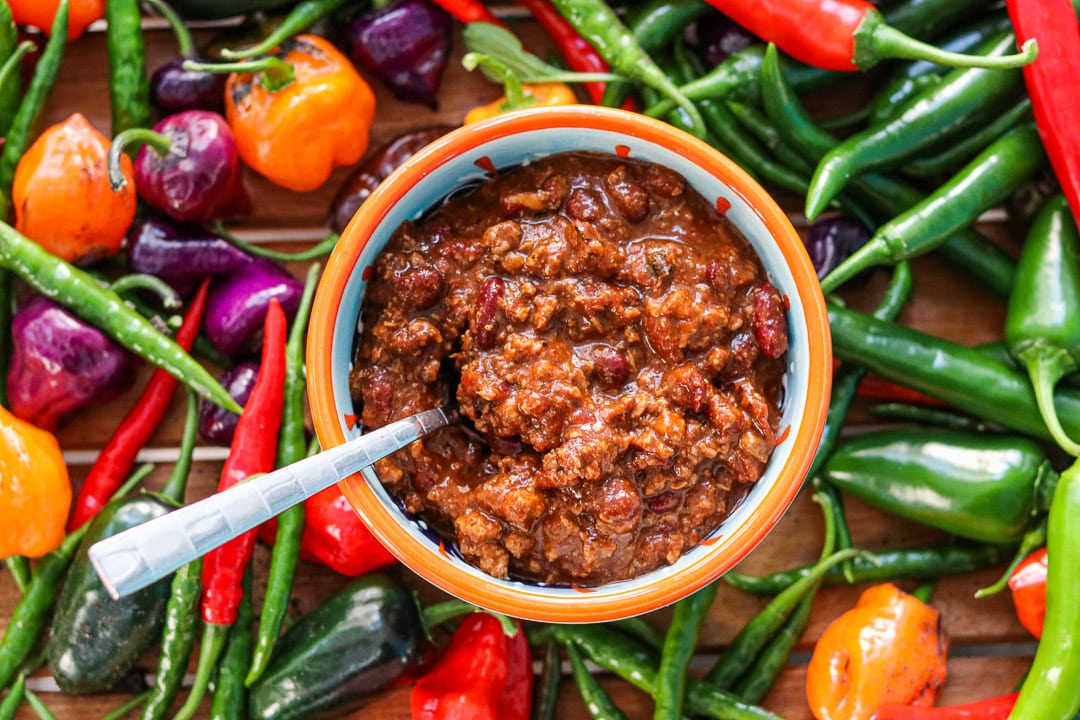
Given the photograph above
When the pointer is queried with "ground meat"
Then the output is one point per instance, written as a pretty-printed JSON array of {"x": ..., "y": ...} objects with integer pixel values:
[{"x": 615, "y": 350}]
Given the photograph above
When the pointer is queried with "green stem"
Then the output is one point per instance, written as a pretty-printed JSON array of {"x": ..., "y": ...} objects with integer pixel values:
[
  {"x": 170, "y": 299},
  {"x": 1033, "y": 539},
  {"x": 299, "y": 19},
  {"x": 174, "y": 487},
  {"x": 35, "y": 703},
  {"x": 323, "y": 248},
  {"x": 161, "y": 144},
  {"x": 1046, "y": 365},
  {"x": 213, "y": 643},
  {"x": 435, "y": 615},
  {"x": 276, "y": 73},
  {"x": 127, "y": 707},
  {"x": 875, "y": 40},
  {"x": 140, "y": 473},
  {"x": 19, "y": 567},
  {"x": 13, "y": 64},
  {"x": 185, "y": 45}
]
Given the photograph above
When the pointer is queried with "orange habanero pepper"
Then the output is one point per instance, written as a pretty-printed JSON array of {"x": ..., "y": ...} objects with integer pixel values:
[
  {"x": 40, "y": 14},
  {"x": 297, "y": 130},
  {"x": 541, "y": 94},
  {"x": 35, "y": 491},
  {"x": 62, "y": 196},
  {"x": 1028, "y": 585},
  {"x": 888, "y": 649}
]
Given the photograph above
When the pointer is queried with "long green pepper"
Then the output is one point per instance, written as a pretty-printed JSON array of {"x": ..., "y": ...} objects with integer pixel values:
[
  {"x": 229, "y": 700},
  {"x": 10, "y": 87},
  {"x": 77, "y": 290},
  {"x": 129, "y": 84},
  {"x": 28, "y": 115},
  {"x": 548, "y": 684},
  {"x": 13, "y": 699},
  {"x": 596, "y": 699},
  {"x": 679, "y": 644}
]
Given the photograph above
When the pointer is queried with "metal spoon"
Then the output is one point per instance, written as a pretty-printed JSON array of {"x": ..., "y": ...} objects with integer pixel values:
[{"x": 135, "y": 558}]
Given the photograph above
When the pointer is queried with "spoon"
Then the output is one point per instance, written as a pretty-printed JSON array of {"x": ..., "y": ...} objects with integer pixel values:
[{"x": 137, "y": 557}]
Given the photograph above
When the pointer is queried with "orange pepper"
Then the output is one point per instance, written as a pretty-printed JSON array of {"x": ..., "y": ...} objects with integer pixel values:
[
  {"x": 35, "y": 491},
  {"x": 542, "y": 94},
  {"x": 62, "y": 196},
  {"x": 40, "y": 14},
  {"x": 1028, "y": 585},
  {"x": 888, "y": 649},
  {"x": 297, "y": 134}
]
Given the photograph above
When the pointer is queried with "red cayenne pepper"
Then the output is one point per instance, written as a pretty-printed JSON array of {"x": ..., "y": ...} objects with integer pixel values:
[
  {"x": 118, "y": 456},
  {"x": 579, "y": 54},
  {"x": 253, "y": 452},
  {"x": 484, "y": 674},
  {"x": 846, "y": 35},
  {"x": 1028, "y": 585},
  {"x": 996, "y": 708},
  {"x": 468, "y": 11},
  {"x": 1051, "y": 83}
]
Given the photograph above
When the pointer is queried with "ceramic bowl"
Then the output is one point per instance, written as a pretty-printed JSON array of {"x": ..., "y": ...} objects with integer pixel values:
[{"x": 469, "y": 155}]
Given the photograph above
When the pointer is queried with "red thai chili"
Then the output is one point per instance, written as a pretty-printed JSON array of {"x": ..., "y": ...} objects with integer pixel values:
[
  {"x": 845, "y": 35},
  {"x": 580, "y": 55},
  {"x": 995, "y": 708},
  {"x": 118, "y": 456},
  {"x": 1051, "y": 83}
]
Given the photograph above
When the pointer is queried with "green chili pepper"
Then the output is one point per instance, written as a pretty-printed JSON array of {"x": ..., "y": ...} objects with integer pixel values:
[
  {"x": 548, "y": 684},
  {"x": 32, "y": 612},
  {"x": 905, "y": 564},
  {"x": 958, "y": 375},
  {"x": 10, "y": 81},
  {"x": 950, "y": 158},
  {"x": 762, "y": 674},
  {"x": 127, "y": 707},
  {"x": 596, "y": 699},
  {"x": 229, "y": 700},
  {"x": 679, "y": 644},
  {"x": 974, "y": 485},
  {"x": 40, "y": 709},
  {"x": 129, "y": 84},
  {"x": 599, "y": 24},
  {"x": 14, "y": 698},
  {"x": 754, "y": 121},
  {"x": 32, "y": 104},
  {"x": 292, "y": 447},
  {"x": 76, "y": 289},
  {"x": 321, "y": 249},
  {"x": 967, "y": 249},
  {"x": 19, "y": 567},
  {"x": 1050, "y": 689},
  {"x": 928, "y": 416},
  {"x": 638, "y": 628},
  {"x": 988, "y": 179},
  {"x": 927, "y": 120},
  {"x": 1042, "y": 326}
]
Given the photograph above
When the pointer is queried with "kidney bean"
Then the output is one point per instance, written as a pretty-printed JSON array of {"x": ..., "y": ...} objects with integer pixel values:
[
  {"x": 484, "y": 324},
  {"x": 610, "y": 366},
  {"x": 418, "y": 287},
  {"x": 770, "y": 323},
  {"x": 665, "y": 502}
]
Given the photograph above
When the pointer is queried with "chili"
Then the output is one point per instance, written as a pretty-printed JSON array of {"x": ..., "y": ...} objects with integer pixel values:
[
  {"x": 679, "y": 644},
  {"x": 1050, "y": 690},
  {"x": 599, "y": 24},
  {"x": 129, "y": 84},
  {"x": 922, "y": 415},
  {"x": 1053, "y": 99},
  {"x": 592, "y": 692},
  {"x": 1028, "y": 586},
  {"x": 320, "y": 249},
  {"x": 951, "y": 158},
  {"x": 35, "y": 703},
  {"x": 253, "y": 451},
  {"x": 997, "y": 708},
  {"x": 10, "y": 70},
  {"x": 14, "y": 698},
  {"x": 138, "y": 426},
  {"x": 772, "y": 660},
  {"x": 229, "y": 700},
  {"x": 27, "y": 117},
  {"x": 299, "y": 19},
  {"x": 1042, "y": 326},
  {"x": 79, "y": 291},
  {"x": 846, "y": 35},
  {"x": 468, "y": 11},
  {"x": 292, "y": 447},
  {"x": 579, "y": 54},
  {"x": 548, "y": 684}
]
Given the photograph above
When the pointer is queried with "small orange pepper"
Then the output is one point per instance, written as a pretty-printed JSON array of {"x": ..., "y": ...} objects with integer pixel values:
[
  {"x": 40, "y": 14},
  {"x": 62, "y": 196},
  {"x": 888, "y": 649},
  {"x": 1028, "y": 585},
  {"x": 540, "y": 94},
  {"x": 35, "y": 491},
  {"x": 297, "y": 130}
]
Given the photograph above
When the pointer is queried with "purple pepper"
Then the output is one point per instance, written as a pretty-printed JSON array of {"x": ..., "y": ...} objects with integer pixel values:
[
  {"x": 59, "y": 364},
  {"x": 719, "y": 37},
  {"x": 237, "y": 304},
  {"x": 216, "y": 424},
  {"x": 180, "y": 255},
  {"x": 189, "y": 168},
  {"x": 406, "y": 44},
  {"x": 174, "y": 89},
  {"x": 832, "y": 240}
]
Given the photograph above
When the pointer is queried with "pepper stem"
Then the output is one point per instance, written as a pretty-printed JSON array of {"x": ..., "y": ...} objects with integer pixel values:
[
  {"x": 161, "y": 144},
  {"x": 322, "y": 249},
  {"x": 170, "y": 299},
  {"x": 19, "y": 567},
  {"x": 213, "y": 642},
  {"x": 276, "y": 73},
  {"x": 1046, "y": 365},
  {"x": 185, "y": 45},
  {"x": 876, "y": 41},
  {"x": 1034, "y": 538},
  {"x": 298, "y": 20},
  {"x": 174, "y": 487},
  {"x": 13, "y": 64},
  {"x": 869, "y": 255}
]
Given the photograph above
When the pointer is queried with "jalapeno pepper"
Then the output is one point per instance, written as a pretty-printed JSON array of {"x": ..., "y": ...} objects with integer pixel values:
[{"x": 1042, "y": 327}]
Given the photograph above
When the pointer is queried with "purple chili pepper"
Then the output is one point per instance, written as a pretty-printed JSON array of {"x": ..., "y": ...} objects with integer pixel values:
[
  {"x": 406, "y": 44},
  {"x": 59, "y": 364},
  {"x": 180, "y": 255},
  {"x": 832, "y": 240},
  {"x": 216, "y": 424},
  {"x": 237, "y": 304},
  {"x": 188, "y": 170},
  {"x": 174, "y": 89}
]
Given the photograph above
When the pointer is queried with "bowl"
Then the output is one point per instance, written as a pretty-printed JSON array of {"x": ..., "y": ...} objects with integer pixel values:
[{"x": 467, "y": 156}]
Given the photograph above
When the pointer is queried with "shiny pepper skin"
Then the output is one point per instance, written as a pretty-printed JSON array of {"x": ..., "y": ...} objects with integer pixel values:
[
  {"x": 888, "y": 649},
  {"x": 35, "y": 491},
  {"x": 62, "y": 196},
  {"x": 40, "y": 14},
  {"x": 297, "y": 134},
  {"x": 1028, "y": 585}
]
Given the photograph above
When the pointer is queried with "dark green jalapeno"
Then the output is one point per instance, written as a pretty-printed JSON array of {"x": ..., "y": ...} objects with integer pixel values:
[
  {"x": 974, "y": 485},
  {"x": 1042, "y": 326}
]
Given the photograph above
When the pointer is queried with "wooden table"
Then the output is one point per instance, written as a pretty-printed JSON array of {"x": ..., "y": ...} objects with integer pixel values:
[{"x": 990, "y": 651}]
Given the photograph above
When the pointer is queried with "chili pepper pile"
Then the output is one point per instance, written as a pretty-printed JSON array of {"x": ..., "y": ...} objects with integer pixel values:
[{"x": 119, "y": 242}]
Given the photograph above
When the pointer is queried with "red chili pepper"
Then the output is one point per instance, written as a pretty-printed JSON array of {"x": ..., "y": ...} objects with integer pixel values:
[
  {"x": 114, "y": 463},
  {"x": 1051, "y": 83},
  {"x": 579, "y": 54},
  {"x": 335, "y": 536},
  {"x": 1028, "y": 586},
  {"x": 844, "y": 35},
  {"x": 997, "y": 708},
  {"x": 483, "y": 674},
  {"x": 253, "y": 451},
  {"x": 468, "y": 11}
]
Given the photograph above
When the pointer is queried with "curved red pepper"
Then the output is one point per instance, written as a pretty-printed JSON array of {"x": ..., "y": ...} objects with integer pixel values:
[
  {"x": 468, "y": 11},
  {"x": 580, "y": 56},
  {"x": 253, "y": 451},
  {"x": 483, "y": 674},
  {"x": 1028, "y": 586},
  {"x": 997, "y": 708}
]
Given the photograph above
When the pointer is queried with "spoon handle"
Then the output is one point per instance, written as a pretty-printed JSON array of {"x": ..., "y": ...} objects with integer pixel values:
[{"x": 137, "y": 557}]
